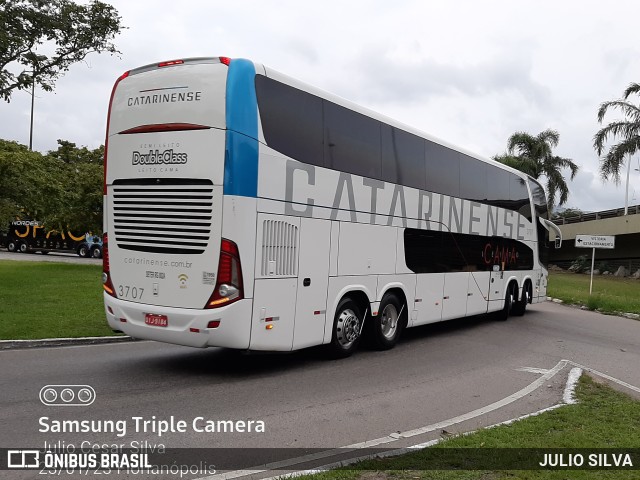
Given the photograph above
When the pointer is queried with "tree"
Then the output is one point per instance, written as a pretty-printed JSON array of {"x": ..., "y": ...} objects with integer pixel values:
[
  {"x": 567, "y": 213},
  {"x": 62, "y": 189},
  {"x": 31, "y": 27},
  {"x": 83, "y": 170},
  {"x": 627, "y": 130},
  {"x": 30, "y": 186},
  {"x": 534, "y": 156},
  {"x": 68, "y": 152}
]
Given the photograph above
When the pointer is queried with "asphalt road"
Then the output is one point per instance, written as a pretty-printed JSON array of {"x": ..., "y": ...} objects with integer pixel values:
[
  {"x": 435, "y": 373},
  {"x": 50, "y": 257}
]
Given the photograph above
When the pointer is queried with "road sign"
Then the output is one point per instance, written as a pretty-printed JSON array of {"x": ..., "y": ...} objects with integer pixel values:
[{"x": 595, "y": 241}]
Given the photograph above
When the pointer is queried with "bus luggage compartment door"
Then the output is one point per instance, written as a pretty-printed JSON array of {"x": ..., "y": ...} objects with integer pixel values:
[
  {"x": 313, "y": 279},
  {"x": 496, "y": 287},
  {"x": 276, "y": 273},
  {"x": 273, "y": 314}
]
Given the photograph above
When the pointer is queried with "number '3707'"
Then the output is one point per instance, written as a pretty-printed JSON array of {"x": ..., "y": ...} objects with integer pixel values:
[{"x": 127, "y": 291}]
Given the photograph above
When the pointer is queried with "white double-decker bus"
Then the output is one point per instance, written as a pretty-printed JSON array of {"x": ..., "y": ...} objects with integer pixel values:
[{"x": 247, "y": 210}]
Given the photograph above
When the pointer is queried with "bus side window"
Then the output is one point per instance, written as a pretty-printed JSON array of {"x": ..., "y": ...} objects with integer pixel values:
[{"x": 351, "y": 141}]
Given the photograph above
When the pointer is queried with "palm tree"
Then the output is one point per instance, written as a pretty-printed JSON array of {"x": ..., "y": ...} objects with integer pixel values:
[
  {"x": 534, "y": 156},
  {"x": 628, "y": 130}
]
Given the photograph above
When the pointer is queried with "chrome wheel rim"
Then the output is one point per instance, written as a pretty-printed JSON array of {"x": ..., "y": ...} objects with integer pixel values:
[
  {"x": 389, "y": 321},
  {"x": 347, "y": 328}
]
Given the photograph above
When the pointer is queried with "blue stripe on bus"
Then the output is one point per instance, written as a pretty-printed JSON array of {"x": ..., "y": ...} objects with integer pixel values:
[{"x": 241, "y": 153}]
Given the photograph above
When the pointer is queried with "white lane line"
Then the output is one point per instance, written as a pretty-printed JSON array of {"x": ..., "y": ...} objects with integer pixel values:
[
  {"x": 395, "y": 436},
  {"x": 489, "y": 408},
  {"x": 608, "y": 377},
  {"x": 532, "y": 370}
]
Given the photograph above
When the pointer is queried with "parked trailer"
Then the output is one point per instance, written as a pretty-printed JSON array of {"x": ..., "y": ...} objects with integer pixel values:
[{"x": 26, "y": 236}]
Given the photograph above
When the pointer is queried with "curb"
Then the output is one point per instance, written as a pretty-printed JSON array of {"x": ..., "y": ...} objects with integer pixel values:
[
  {"x": 62, "y": 342},
  {"x": 632, "y": 316}
]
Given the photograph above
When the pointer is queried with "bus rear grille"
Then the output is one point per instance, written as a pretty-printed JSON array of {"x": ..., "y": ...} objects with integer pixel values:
[
  {"x": 279, "y": 246},
  {"x": 163, "y": 216}
]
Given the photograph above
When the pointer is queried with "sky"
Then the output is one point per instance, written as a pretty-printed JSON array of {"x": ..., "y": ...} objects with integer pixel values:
[{"x": 468, "y": 72}]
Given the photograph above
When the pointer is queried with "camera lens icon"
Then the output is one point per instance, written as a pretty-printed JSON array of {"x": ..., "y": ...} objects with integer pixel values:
[
  {"x": 50, "y": 395},
  {"x": 85, "y": 395},
  {"x": 67, "y": 395}
]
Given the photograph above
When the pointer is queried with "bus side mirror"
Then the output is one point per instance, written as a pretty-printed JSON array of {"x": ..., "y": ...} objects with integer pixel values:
[{"x": 549, "y": 225}]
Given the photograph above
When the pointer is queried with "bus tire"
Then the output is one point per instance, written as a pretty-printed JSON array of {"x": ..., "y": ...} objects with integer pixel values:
[
  {"x": 520, "y": 307},
  {"x": 11, "y": 247},
  {"x": 24, "y": 248},
  {"x": 386, "y": 327},
  {"x": 509, "y": 300},
  {"x": 347, "y": 329},
  {"x": 83, "y": 251},
  {"x": 96, "y": 252}
]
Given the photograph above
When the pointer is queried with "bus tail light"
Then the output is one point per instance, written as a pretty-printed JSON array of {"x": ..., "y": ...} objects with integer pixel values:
[
  {"x": 229, "y": 279},
  {"x": 106, "y": 273},
  {"x": 170, "y": 63}
]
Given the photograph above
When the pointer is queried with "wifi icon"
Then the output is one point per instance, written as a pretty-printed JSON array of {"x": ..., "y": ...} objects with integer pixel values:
[{"x": 182, "y": 279}]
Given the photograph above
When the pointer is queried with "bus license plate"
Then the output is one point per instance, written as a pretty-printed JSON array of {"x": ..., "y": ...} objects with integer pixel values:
[{"x": 156, "y": 320}]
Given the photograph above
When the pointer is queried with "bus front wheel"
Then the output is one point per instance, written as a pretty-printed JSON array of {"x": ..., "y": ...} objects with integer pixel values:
[{"x": 347, "y": 329}]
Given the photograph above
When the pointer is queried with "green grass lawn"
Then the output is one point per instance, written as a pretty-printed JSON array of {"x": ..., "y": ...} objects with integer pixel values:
[
  {"x": 50, "y": 300},
  {"x": 602, "y": 418},
  {"x": 610, "y": 294}
]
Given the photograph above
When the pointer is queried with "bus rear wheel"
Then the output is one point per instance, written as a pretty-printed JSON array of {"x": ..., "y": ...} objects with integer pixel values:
[
  {"x": 347, "y": 329},
  {"x": 520, "y": 307},
  {"x": 509, "y": 300},
  {"x": 23, "y": 248},
  {"x": 386, "y": 327},
  {"x": 11, "y": 247}
]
